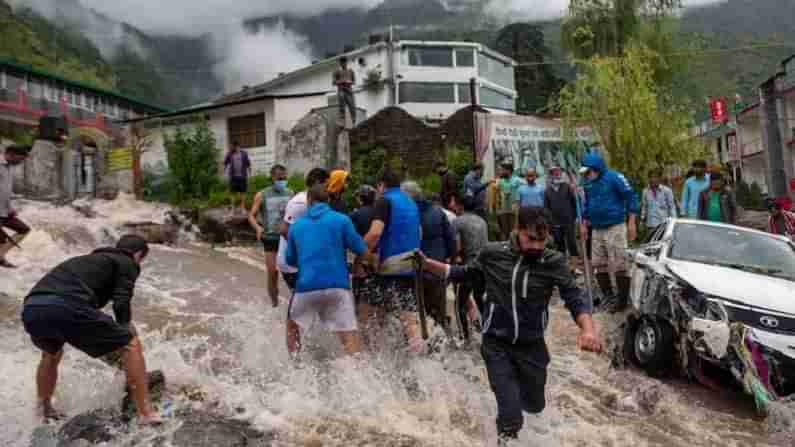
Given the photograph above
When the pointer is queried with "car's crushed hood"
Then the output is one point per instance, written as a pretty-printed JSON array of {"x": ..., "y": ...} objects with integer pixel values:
[{"x": 751, "y": 289}]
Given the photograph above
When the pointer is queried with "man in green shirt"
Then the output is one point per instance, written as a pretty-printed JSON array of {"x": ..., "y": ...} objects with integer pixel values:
[
  {"x": 717, "y": 204},
  {"x": 507, "y": 196}
]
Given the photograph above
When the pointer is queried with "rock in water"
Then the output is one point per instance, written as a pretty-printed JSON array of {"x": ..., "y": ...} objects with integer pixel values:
[
  {"x": 95, "y": 427},
  {"x": 221, "y": 225},
  {"x": 154, "y": 233}
]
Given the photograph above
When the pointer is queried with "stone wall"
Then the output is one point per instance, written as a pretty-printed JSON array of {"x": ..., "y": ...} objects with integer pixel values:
[
  {"x": 307, "y": 145},
  {"x": 417, "y": 144}
]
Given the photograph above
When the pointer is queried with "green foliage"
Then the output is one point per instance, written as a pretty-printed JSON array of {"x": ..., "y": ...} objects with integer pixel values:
[
  {"x": 639, "y": 123},
  {"x": 192, "y": 160},
  {"x": 749, "y": 196}
]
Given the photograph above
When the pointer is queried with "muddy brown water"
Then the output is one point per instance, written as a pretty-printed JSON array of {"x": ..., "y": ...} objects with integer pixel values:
[{"x": 206, "y": 321}]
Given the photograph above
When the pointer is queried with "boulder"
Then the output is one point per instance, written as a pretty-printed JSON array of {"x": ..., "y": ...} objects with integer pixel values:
[
  {"x": 154, "y": 233},
  {"x": 220, "y": 225},
  {"x": 197, "y": 428}
]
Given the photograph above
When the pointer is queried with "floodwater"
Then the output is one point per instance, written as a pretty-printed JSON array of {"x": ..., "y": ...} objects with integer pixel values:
[{"x": 206, "y": 322}]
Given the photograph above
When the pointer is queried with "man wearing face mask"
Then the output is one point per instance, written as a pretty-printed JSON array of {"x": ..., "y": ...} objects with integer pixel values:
[
  {"x": 13, "y": 156},
  {"x": 609, "y": 198},
  {"x": 561, "y": 202},
  {"x": 265, "y": 217},
  {"x": 519, "y": 276}
]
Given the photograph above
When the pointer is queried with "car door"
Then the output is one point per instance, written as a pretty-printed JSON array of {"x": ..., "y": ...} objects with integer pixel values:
[{"x": 643, "y": 259}]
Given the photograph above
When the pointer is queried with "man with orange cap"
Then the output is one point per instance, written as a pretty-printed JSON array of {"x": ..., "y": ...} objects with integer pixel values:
[{"x": 335, "y": 188}]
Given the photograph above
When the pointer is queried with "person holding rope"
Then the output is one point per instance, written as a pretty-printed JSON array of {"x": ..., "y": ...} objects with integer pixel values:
[{"x": 519, "y": 276}]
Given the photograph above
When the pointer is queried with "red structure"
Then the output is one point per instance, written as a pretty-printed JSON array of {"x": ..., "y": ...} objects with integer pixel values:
[{"x": 22, "y": 107}]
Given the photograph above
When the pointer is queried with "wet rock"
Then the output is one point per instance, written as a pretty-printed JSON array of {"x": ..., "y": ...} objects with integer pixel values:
[
  {"x": 640, "y": 400},
  {"x": 154, "y": 233},
  {"x": 85, "y": 209},
  {"x": 220, "y": 225},
  {"x": 196, "y": 429}
]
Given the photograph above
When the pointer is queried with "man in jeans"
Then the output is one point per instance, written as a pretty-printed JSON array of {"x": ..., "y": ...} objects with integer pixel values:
[
  {"x": 609, "y": 201},
  {"x": 344, "y": 79},
  {"x": 472, "y": 233},
  {"x": 657, "y": 204},
  {"x": 238, "y": 167},
  {"x": 519, "y": 277},
  {"x": 265, "y": 217},
  {"x": 13, "y": 156},
  {"x": 560, "y": 200}
]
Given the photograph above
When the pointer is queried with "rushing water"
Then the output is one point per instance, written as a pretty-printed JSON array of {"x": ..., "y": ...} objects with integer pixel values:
[{"x": 205, "y": 322}]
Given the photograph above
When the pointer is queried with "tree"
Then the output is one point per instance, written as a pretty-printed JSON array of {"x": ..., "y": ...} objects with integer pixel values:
[
  {"x": 535, "y": 82},
  {"x": 606, "y": 27},
  {"x": 141, "y": 141},
  {"x": 639, "y": 123},
  {"x": 192, "y": 159}
]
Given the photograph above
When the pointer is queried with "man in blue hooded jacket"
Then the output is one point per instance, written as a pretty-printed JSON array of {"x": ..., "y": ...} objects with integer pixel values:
[
  {"x": 519, "y": 276},
  {"x": 611, "y": 208},
  {"x": 317, "y": 246}
]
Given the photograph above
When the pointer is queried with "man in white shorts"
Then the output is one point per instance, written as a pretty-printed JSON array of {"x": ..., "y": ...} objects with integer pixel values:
[{"x": 317, "y": 246}]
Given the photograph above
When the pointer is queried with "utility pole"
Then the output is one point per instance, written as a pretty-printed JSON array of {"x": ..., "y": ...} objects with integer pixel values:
[
  {"x": 771, "y": 138},
  {"x": 474, "y": 100}
]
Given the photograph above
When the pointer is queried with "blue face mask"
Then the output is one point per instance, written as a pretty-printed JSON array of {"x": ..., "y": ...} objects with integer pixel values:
[{"x": 281, "y": 185}]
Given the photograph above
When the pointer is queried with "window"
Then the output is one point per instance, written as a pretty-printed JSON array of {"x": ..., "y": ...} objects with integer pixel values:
[
  {"x": 465, "y": 57},
  {"x": 464, "y": 96},
  {"x": 430, "y": 56},
  {"x": 496, "y": 71},
  {"x": 426, "y": 92},
  {"x": 497, "y": 100},
  {"x": 248, "y": 130}
]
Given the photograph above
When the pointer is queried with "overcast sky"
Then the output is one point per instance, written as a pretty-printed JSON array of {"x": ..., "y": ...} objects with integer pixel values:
[{"x": 190, "y": 16}]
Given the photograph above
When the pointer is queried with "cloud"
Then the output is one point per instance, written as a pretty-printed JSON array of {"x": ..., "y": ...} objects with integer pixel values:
[
  {"x": 254, "y": 57},
  {"x": 198, "y": 16},
  {"x": 548, "y": 9}
]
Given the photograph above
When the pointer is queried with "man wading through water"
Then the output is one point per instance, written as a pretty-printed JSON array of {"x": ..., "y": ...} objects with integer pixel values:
[
  {"x": 395, "y": 236},
  {"x": 519, "y": 276},
  {"x": 265, "y": 217},
  {"x": 64, "y": 307},
  {"x": 317, "y": 245}
]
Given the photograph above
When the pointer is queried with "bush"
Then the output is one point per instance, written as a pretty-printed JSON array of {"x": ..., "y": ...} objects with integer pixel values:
[
  {"x": 192, "y": 158},
  {"x": 749, "y": 197}
]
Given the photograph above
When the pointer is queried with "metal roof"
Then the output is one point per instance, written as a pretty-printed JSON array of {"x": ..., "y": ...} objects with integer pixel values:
[{"x": 8, "y": 62}]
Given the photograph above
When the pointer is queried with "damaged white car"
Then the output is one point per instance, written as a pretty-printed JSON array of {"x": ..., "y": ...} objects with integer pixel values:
[{"x": 716, "y": 297}]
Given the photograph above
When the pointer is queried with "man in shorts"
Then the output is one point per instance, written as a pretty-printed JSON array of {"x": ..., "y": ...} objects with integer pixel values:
[
  {"x": 611, "y": 208},
  {"x": 64, "y": 307},
  {"x": 395, "y": 236},
  {"x": 296, "y": 208},
  {"x": 238, "y": 167},
  {"x": 266, "y": 215},
  {"x": 13, "y": 156},
  {"x": 317, "y": 245},
  {"x": 366, "y": 292}
]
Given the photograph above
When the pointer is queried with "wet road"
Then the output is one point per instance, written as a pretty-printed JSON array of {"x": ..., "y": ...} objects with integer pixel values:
[{"x": 206, "y": 322}]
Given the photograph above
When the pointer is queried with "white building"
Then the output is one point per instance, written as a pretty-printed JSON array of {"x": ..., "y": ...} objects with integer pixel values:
[{"x": 430, "y": 80}]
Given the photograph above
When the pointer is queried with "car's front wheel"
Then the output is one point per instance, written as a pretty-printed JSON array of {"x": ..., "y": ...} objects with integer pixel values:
[{"x": 649, "y": 343}]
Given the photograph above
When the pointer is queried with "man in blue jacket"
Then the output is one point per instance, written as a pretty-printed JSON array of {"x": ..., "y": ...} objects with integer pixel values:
[
  {"x": 439, "y": 243},
  {"x": 317, "y": 246},
  {"x": 395, "y": 236},
  {"x": 609, "y": 199},
  {"x": 519, "y": 276}
]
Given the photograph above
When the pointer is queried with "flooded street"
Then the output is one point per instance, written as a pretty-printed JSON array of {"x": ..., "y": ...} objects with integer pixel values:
[{"x": 204, "y": 320}]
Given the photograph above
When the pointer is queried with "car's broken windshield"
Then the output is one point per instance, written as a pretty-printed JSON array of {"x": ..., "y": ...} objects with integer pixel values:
[{"x": 733, "y": 248}]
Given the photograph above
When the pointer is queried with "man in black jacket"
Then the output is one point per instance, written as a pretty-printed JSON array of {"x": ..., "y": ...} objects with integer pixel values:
[
  {"x": 561, "y": 202},
  {"x": 519, "y": 276},
  {"x": 64, "y": 307}
]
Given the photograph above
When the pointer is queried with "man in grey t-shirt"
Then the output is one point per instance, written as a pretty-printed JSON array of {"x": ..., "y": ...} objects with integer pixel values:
[
  {"x": 473, "y": 234},
  {"x": 13, "y": 156}
]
